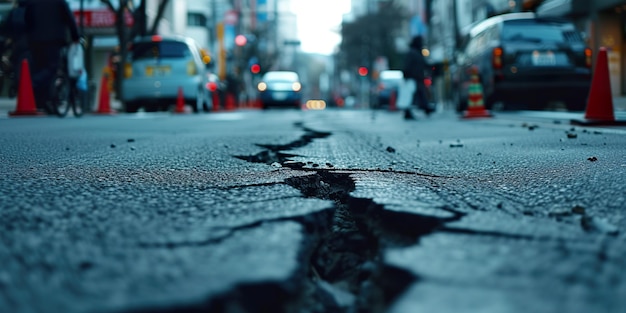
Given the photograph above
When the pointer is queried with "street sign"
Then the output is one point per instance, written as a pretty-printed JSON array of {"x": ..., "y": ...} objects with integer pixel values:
[
  {"x": 231, "y": 17},
  {"x": 100, "y": 20}
]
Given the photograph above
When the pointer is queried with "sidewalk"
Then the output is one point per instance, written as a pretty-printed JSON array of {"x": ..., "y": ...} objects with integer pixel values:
[
  {"x": 7, "y": 105},
  {"x": 619, "y": 103}
]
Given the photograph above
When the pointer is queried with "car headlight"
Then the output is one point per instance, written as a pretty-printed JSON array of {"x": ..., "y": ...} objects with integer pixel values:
[
  {"x": 262, "y": 86},
  {"x": 296, "y": 86}
]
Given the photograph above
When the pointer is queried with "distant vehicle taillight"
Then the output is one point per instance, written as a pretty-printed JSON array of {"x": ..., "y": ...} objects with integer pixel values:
[
  {"x": 211, "y": 86},
  {"x": 497, "y": 58},
  {"x": 428, "y": 82},
  {"x": 588, "y": 56}
]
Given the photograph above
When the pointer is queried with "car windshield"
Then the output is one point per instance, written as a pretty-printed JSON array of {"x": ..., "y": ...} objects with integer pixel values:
[
  {"x": 161, "y": 49},
  {"x": 533, "y": 31},
  {"x": 391, "y": 75},
  {"x": 281, "y": 76}
]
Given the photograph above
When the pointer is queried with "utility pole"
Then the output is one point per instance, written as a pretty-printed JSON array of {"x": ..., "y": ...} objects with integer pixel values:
[
  {"x": 276, "y": 47},
  {"x": 213, "y": 29}
]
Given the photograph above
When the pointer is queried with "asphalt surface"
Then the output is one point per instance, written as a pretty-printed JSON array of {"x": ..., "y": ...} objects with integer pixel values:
[{"x": 302, "y": 211}]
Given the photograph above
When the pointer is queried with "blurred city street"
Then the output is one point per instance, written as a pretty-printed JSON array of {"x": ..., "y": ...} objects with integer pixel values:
[{"x": 328, "y": 156}]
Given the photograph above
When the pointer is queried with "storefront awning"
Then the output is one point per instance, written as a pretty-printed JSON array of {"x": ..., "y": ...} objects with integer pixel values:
[{"x": 100, "y": 21}]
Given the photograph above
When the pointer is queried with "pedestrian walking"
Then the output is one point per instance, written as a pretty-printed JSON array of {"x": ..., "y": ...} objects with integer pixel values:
[
  {"x": 50, "y": 28},
  {"x": 414, "y": 67}
]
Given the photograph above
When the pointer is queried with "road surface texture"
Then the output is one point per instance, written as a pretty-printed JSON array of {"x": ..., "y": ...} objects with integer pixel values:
[{"x": 331, "y": 211}]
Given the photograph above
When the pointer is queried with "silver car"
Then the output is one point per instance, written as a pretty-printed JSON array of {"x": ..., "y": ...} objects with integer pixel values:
[
  {"x": 280, "y": 89},
  {"x": 387, "y": 87},
  {"x": 161, "y": 69}
]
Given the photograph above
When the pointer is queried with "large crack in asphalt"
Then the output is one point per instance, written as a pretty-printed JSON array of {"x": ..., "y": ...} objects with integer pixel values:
[
  {"x": 342, "y": 259},
  {"x": 348, "y": 257},
  {"x": 345, "y": 269}
]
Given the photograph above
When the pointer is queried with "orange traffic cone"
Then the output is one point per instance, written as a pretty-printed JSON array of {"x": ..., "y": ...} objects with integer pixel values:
[
  {"x": 104, "y": 99},
  {"x": 392, "y": 101},
  {"x": 475, "y": 103},
  {"x": 25, "y": 96},
  {"x": 180, "y": 101},
  {"x": 599, "y": 109},
  {"x": 216, "y": 101},
  {"x": 230, "y": 102}
]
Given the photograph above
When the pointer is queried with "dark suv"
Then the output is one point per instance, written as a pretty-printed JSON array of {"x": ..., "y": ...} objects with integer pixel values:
[{"x": 525, "y": 62}]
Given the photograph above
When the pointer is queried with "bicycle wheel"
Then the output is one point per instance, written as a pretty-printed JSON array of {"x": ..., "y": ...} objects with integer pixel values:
[
  {"x": 59, "y": 96},
  {"x": 79, "y": 101}
]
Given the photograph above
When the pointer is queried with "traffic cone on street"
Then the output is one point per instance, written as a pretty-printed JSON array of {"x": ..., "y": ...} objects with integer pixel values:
[
  {"x": 104, "y": 99},
  {"x": 180, "y": 101},
  {"x": 599, "y": 109},
  {"x": 475, "y": 101},
  {"x": 230, "y": 102},
  {"x": 392, "y": 101},
  {"x": 25, "y": 96},
  {"x": 216, "y": 101}
]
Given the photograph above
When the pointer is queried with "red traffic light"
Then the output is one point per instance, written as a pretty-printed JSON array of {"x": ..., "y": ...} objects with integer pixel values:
[
  {"x": 241, "y": 40},
  {"x": 363, "y": 71},
  {"x": 255, "y": 68}
]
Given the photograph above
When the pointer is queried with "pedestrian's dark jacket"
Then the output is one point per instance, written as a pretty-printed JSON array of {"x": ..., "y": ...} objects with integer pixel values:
[
  {"x": 415, "y": 63},
  {"x": 51, "y": 21}
]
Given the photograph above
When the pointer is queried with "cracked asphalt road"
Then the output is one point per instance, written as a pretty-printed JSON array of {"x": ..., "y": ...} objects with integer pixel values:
[{"x": 332, "y": 211}]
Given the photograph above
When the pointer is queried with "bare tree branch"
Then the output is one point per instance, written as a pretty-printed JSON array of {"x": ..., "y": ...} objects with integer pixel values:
[
  {"x": 108, "y": 4},
  {"x": 139, "y": 17},
  {"x": 157, "y": 19}
]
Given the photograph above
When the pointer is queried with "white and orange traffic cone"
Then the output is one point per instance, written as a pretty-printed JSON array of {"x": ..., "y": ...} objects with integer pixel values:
[{"x": 475, "y": 101}]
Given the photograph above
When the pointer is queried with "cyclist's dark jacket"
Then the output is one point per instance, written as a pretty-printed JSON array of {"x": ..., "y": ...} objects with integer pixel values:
[{"x": 49, "y": 21}]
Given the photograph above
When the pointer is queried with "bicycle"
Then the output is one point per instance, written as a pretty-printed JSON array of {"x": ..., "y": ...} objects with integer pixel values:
[{"x": 65, "y": 93}]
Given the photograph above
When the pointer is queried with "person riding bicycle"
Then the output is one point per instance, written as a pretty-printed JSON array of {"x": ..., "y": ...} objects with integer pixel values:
[{"x": 50, "y": 24}]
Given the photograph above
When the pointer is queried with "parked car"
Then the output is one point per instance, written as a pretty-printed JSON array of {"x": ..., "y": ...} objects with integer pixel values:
[
  {"x": 387, "y": 87},
  {"x": 525, "y": 62},
  {"x": 280, "y": 89},
  {"x": 160, "y": 66}
]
